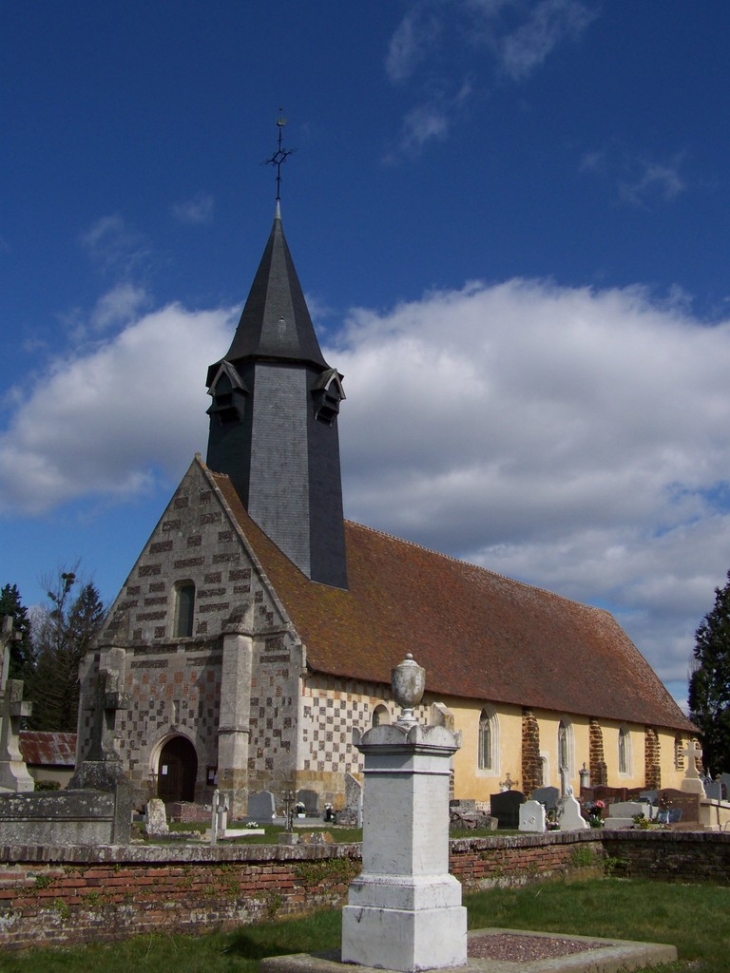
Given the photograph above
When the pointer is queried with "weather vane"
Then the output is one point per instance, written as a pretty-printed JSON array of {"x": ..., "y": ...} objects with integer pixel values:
[{"x": 281, "y": 155}]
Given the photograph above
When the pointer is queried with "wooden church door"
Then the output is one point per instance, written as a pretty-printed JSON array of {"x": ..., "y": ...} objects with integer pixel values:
[{"x": 177, "y": 770}]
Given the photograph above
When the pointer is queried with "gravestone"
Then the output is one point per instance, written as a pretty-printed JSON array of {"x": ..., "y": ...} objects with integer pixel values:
[
  {"x": 352, "y": 814},
  {"x": 155, "y": 822},
  {"x": 713, "y": 790},
  {"x": 101, "y": 768},
  {"x": 692, "y": 783},
  {"x": 548, "y": 796},
  {"x": 219, "y": 816},
  {"x": 14, "y": 776},
  {"x": 569, "y": 815},
  {"x": 532, "y": 816},
  {"x": 310, "y": 800},
  {"x": 621, "y": 814},
  {"x": 725, "y": 780},
  {"x": 673, "y": 800},
  {"x": 261, "y": 806},
  {"x": 505, "y": 807}
]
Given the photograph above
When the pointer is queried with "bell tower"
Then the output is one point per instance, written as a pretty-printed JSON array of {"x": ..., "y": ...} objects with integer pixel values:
[{"x": 273, "y": 420}]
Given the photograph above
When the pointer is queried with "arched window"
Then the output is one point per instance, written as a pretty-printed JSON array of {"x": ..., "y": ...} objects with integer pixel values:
[
  {"x": 184, "y": 609},
  {"x": 565, "y": 746},
  {"x": 624, "y": 751},
  {"x": 488, "y": 742},
  {"x": 381, "y": 716}
]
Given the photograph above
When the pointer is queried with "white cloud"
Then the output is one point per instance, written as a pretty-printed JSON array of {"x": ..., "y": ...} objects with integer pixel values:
[
  {"x": 640, "y": 181},
  {"x": 524, "y": 49},
  {"x": 411, "y": 42},
  {"x": 431, "y": 120},
  {"x": 196, "y": 210},
  {"x": 655, "y": 179},
  {"x": 114, "y": 246},
  {"x": 574, "y": 438},
  {"x": 118, "y": 306},
  {"x": 438, "y": 43},
  {"x": 103, "y": 421}
]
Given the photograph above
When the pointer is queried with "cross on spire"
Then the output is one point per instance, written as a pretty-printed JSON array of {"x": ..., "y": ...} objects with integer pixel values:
[{"x": 281, "y": 155}]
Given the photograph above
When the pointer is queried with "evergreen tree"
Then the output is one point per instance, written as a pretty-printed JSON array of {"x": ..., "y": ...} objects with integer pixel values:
[
  {"x": 62, "y": 634},
  {"x": 709, "y": 685},
  {"x": 21, "y": 652}
]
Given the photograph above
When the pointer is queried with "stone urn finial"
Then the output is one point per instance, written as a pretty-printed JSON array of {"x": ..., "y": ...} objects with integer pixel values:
[{"x": 408, "y": 680}]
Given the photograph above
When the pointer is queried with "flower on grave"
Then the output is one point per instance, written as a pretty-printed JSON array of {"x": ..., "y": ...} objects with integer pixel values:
[{"x": 592, "y": 813}]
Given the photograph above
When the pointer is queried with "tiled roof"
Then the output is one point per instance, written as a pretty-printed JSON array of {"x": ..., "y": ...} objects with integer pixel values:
[
  {"x": 478, "y": 634},
  {"x": 44, "y": 749}
]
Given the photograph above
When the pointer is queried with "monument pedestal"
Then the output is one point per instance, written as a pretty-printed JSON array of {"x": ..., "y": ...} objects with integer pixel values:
[{"x": 404, "y": 911}]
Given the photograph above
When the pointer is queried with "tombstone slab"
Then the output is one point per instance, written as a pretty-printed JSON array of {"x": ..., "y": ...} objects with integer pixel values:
[
  {"x": 546, "y": 795},
  {"x": 505, "y": 807},
  {"x": 261, "y": 806},
  {"x": 156, "y": 818},
  {"x": 532, "y": 816},
  {"x": 569, "y": 815}
]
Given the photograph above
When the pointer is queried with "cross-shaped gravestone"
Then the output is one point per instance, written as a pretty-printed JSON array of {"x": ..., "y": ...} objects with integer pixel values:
[
  {"x": 690, "y": 753},
  {"x": 107, "y": 701},
  {"x": 101, "y": 767},
  {"x": 14, "y": 774}
]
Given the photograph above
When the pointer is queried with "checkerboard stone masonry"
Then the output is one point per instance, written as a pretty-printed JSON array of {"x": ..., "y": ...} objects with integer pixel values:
[{"x": 270, "y": 719}]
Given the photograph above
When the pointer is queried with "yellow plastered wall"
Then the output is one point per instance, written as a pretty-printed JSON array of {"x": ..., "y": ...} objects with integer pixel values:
[
  {"x": 636, "y": 770},
  {"x": 579, "y": 750},
  {"x": 671, "y": 774},
  {"x": 471, "y": 783}
]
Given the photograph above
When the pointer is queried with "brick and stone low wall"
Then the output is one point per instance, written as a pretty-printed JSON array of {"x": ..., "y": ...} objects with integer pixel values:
[{"x": 71, "y": 895}]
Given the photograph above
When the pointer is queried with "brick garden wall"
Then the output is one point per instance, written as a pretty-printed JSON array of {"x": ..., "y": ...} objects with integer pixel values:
[{"x": 61, "y": 896}]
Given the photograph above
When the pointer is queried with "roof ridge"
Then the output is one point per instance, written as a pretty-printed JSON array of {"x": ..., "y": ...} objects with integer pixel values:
[{"x": 479, "y": 567}]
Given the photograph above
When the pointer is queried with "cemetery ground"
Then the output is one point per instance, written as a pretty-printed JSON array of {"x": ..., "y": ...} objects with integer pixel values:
[{"x": 695, "y": 918}]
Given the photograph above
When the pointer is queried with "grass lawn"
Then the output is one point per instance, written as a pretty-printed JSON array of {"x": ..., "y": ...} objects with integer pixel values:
[{"x": 695, "y": 918}]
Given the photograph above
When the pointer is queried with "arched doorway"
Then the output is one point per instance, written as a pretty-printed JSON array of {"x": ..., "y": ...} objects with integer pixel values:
[{"x": 177, "y": 769}]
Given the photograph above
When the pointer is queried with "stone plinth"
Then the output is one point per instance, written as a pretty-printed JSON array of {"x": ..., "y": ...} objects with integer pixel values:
[{"x": 404, "y": 910}]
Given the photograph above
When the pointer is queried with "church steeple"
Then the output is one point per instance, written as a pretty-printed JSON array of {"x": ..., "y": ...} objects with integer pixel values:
[{"x": 273, "y": 420}]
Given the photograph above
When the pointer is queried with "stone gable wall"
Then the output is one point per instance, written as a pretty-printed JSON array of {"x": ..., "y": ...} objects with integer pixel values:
[{"x": 172, "y": 685}]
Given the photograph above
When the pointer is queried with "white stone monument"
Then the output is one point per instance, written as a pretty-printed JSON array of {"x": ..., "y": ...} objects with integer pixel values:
[
  {"x": 691, "y": 782},
  {"x": 404, "y": 910},
  {"x": 14, "y": 776},
  {"x": 532, "y": 816},
  {"x": 569, "y": 813}
]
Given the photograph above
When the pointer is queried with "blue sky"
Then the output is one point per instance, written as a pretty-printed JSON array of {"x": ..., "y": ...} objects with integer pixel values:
[{"x": 509, "y": 217}]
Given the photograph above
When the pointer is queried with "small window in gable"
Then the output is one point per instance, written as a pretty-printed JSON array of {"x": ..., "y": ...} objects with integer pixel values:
[{"x": 184, "y": 609}]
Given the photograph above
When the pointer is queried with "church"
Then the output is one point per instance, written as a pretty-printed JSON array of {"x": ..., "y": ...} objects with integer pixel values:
[{"x": 258, "y": 628}]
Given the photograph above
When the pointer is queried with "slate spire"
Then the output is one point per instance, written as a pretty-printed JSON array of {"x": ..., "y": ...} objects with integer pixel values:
[{"x": 273, "y": 420}]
